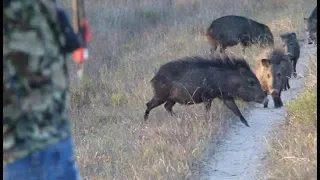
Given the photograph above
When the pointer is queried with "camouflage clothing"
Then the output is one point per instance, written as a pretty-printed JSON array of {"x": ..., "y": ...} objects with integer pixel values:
[{"x": 35, "y": 80}]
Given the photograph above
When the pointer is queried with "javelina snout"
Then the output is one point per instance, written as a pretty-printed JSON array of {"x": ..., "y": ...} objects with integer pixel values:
[
  {"x": 273, "y": 68},
  {"x": 275, "y": 93},
  {"x": 193, "y": 80},
  {"x": 276, "y": 98},
  {"x": 253, "y": 86}
]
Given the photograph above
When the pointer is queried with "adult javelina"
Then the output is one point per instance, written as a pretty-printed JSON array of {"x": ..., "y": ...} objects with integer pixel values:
[
  {"x": 273, "y": 68},
  {"x": 292, "y": 47},
  {"x": 312, "y": 26},
  {"x": 230, "y": 30},
  {"x": 193, "y": 80}
]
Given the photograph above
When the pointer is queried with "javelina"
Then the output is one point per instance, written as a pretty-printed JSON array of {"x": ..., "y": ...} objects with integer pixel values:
[
  {"x": 193, "y": 80},
  {"x": 312, "y": 26},
  {"x": 292, "y": 47},
  {"x": 273, "y": 68},
  {"x": 230, "y": 30}
]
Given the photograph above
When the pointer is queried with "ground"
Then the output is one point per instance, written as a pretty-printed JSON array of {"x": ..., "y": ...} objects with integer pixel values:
[{"x": 130, "y": 40}]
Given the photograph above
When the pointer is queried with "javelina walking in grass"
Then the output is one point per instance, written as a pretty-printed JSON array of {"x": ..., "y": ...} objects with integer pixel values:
[
  {"x": 312, "y": 26},
  {"x": 230, "y": 30},
  {"x": 193, "y": 80},
  {"x": 273, "y": 68},
  {"x": 292, "y": 47}
]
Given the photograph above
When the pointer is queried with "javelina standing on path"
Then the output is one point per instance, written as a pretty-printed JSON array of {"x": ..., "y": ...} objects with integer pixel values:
[
  {"x": 273, "y": 68},
  {"x": 312, "y": 26},
  {"x": 230, "y": 30},
  {"x": 193, "y": 80},
  {"x": 292, "y": 47}
]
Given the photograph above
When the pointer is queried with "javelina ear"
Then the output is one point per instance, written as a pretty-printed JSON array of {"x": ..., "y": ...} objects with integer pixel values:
[
  {"x": 293, "y": 34},
  {"x": 281, "y": 36},
  {"x": 266, "y": 62}
]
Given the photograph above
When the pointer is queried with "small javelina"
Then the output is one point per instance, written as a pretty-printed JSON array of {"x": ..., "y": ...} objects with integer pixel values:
[
  {"x": 312, "y": 26},
  {"x": 230, "y": 30},
  {"x": 193, "y": 80},
  {"x": 292, "y": 48},
  {"x": 273, "y": 69}
]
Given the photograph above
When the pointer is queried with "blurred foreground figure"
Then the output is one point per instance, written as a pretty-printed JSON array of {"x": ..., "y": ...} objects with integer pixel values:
[{"x": 37, "y": 142}]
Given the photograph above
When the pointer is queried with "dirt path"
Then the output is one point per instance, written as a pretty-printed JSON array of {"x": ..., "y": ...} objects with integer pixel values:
[{"x": 242, "y": 151}]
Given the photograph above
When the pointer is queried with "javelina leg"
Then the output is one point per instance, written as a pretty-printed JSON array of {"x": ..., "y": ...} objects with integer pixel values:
[
  {"x": 294, "y": 63},
  {"x": 168, "y": 106},
  {"x": 276, "y": 102},
  {"x": 154, "y": 102},
  {"x": 234, "y": 108},
  {"x": 243, "y": 50},
  {"x": 208, "y": 107},
  {"x": 284, "y": 86},
  {"x": 280, "y": 100},
  {"x": 222, "y": 49},
  {"x": 287, "y": 84},
  {"x": 245, "y": 43},
  {"x": 214, "y": 48},
  {"x": 265, "y": 105}
]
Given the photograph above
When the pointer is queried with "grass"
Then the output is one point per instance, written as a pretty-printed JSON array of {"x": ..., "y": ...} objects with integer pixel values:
[
  {"x": 292, "y": 153},
  {"x": 131, "y": 39}
]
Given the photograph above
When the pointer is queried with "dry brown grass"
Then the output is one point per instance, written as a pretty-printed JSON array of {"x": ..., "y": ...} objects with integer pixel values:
[
  {"x": 131, "y": 40},
  {"x": 293, "y": 151}
]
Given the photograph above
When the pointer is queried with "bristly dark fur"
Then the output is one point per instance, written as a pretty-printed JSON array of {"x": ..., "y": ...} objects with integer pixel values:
[
  {"x": 205, "y": 78},
  {"x": 180, "y": 66}
]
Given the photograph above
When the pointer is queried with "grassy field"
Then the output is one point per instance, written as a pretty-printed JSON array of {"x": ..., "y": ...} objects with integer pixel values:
[
  {"x": 131, "y": 39},
  {"x": 293, "y": 151}
]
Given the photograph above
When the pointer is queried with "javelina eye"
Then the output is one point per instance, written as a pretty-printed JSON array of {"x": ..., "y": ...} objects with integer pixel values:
[
  {"x": 251, "y": 82},
  {"x": 278, "y": 74},
  {"x": 268, "y": 75}
]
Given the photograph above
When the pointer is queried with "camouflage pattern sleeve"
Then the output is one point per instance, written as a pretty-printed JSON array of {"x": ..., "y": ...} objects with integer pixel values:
[{"x": 35, "y": 79}]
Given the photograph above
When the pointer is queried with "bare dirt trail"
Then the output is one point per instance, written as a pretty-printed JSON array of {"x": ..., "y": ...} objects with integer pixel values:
[{"x": 241, "y": 152}]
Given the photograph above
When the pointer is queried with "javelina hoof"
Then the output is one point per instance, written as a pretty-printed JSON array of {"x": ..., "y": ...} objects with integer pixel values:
[
  {"x": 146, "y": 115},
  {"x": 265, "y": 103},
  {"x": 244, "y": 121},
  {"x": 288, "y": 86},
  {"x": 280, "y": 102},
  {"x": 294, "y": 74},
  {"x": 145, "y": 118}
]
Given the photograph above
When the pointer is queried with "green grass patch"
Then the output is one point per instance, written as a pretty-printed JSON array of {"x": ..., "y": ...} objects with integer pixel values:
[{"x": 304, "y": 108}]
